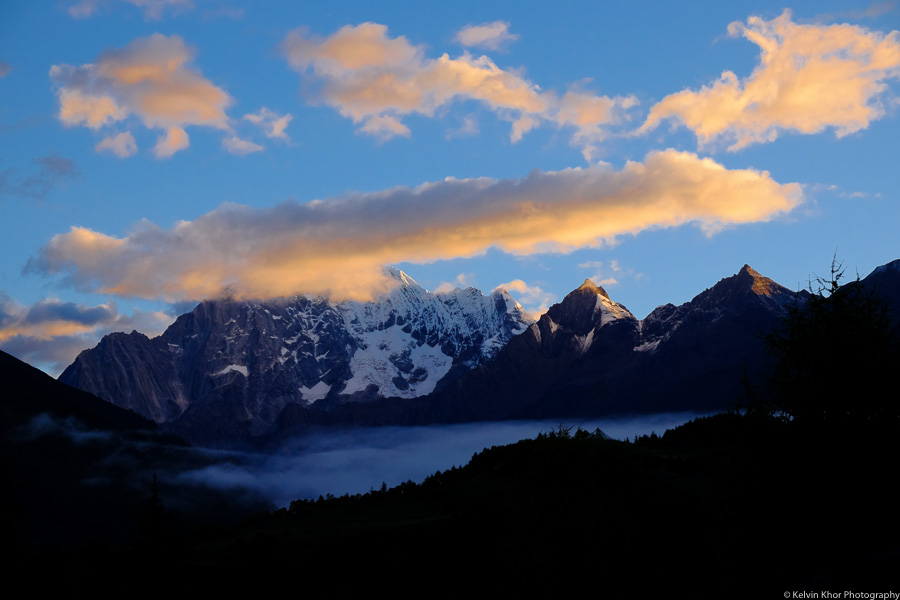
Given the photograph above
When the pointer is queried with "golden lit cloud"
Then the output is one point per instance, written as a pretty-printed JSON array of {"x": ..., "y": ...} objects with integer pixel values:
[
  {"x": 88, "y": 110},
  {"x": 337, "y": 246},
  {"x": 51, "y": 332},
  {"x": 172, "y": 141},
  {"x": 375, "y": 80},
  {"x": 810, "y": 77},
  {"x": 150, "y": 78}
]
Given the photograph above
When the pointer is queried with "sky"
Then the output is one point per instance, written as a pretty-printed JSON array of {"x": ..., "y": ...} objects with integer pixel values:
[{"x": 154, "y": 153}]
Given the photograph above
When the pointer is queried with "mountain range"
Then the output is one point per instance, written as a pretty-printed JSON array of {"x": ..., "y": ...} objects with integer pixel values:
[{"x": 232, "y": 372}]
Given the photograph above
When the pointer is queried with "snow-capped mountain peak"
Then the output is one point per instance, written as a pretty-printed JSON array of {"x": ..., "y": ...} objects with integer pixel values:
[{"x": 257, "y": 357}]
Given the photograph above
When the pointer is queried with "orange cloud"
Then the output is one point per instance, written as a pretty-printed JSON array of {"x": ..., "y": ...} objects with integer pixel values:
[
  {"x": 150, "y": 78},
  {"x": 374, "y": 80},
  {"x": 336, "y": 247},
  {"x": 810, "y": 77},
  {"x": 172, "y": 141},
  {"x": 50, "y": 333}
]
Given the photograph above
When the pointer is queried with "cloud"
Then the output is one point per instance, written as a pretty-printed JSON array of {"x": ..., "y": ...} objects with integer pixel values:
[
  {"x": 122, "y": 145},
  {"x": 375, "y": 80},
  {"x": 271, "y": 122},
  {"x": 492, "y": 36},
  {"x": 469, "y": 127},
  {"x": 153, "y": 9},
  {"x": 51, "y": 333},
  {"x": 606, "y": 274},
  {"x": 463, "y": 280},
  {"x": 236, "y": 145},
  {"x": 83, "y": 8},
  {"x": 52, "y": 171},
  {"x": 810, "y": 78},
  {"x": 149, "y": 78},
  {"x": 535, "y": 300},
  {"x": 172, "y": 141},
  {"x": 336, "y": 247},
  {"x": 873, "y": 11},
  {"x": 384, "y": 127}
]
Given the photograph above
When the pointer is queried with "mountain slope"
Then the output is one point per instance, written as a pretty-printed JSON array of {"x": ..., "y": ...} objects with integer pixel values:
[
  {"x": 590, "y": 356},
  {"x": 227, "y": 369},
  {"x": 232, "y": 371}
]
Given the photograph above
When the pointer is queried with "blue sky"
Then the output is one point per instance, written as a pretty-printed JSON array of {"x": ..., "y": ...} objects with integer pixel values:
[{"x": 155, "y": 152}]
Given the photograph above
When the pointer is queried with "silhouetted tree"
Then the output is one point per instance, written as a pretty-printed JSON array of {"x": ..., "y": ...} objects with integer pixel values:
[
  {"x": 153, "y": 515},
  {"x": 835, "y": 352}
]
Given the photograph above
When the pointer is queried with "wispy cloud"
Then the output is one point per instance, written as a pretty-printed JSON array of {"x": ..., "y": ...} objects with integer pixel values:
[
  {"x": 51, "y": 171},
  {"x": 608, "y": 273},
  {"x": 375, "y": 80},
  {"x": 467, "y": 128},
  {"x": 336, "y": 247},
  {"x": 151, "y": 78},
  {"x": 810, "y": 78},
  {"x": 873, "y": 11},
  {"x": 271, "y": 122},
  {"x": 153, "y": 9},
  {"x": 122, "y": 145},
  {"x": 532, "y": 298},
  {"x": 463, "y": 280},
  {"x": 236, "y": 145},
  {"x": 491, "y": 36}
]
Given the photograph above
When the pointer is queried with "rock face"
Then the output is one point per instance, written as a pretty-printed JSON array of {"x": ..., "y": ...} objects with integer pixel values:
[
  {"x": 229, "y": 368},
  {"x": 589, "y": 356},
  {"x": 230, "y": 371}
]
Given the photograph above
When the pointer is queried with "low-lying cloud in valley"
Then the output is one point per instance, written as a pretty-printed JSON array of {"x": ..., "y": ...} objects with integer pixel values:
[
  {"x": 336, "y": 247},
  {"x": 351, "y": 461}
]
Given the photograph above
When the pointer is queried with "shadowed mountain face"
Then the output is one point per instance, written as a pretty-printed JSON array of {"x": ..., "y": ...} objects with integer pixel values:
[
  {"x": 227, "y": 370},
  {"x": 231, "y": 372},
  {"x": 77, "y": 470},
  {"x": 590, "y": 356}
]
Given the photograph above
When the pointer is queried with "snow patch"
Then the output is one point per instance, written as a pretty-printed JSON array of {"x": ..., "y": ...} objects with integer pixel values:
[
  {"x": 239, "y": 368},
  {"x": 316, "y": 392},
  {"x": 583, "y": 342},
  {"x": 647, "y": 346},
  {"x": 553, "y": 326}
]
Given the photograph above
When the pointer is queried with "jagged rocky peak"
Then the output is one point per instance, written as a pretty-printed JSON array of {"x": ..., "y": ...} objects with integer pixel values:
[
  {"x": 252, "y": 358},
  {"x": 590, "y": 286},
  {"x": 758, "y": 284},
  {"x": 584, "y": 309},
  {"x": 747, "y": 285}
]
